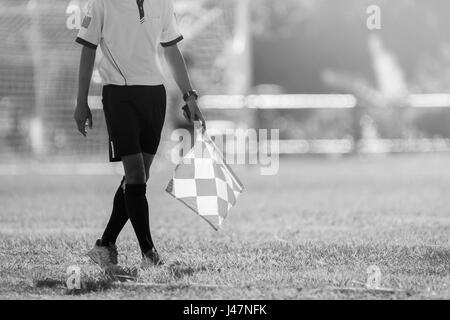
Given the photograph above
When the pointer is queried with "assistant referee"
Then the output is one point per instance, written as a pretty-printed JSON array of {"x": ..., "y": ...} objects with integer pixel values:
[{"x": 134, "y": 102}]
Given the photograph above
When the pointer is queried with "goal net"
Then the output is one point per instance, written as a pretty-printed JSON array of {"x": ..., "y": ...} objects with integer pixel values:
[{"x": 39, "y": 66}]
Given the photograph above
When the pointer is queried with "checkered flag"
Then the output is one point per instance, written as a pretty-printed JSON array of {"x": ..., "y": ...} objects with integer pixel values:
[{"x": 205, "y": 183}]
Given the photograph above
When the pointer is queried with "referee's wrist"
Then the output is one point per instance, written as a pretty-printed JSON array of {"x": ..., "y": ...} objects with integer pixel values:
[
  {"x": 189, "y": 95},
  {"x": 190, "y": 98}
]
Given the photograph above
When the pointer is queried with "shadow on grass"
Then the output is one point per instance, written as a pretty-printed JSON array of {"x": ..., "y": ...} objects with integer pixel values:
[
  {"x": 48, "y": 283},
  {"x": 89, "y": 283}
]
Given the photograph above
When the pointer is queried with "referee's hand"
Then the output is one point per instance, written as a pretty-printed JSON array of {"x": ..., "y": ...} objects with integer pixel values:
[
  {"x": 83, "y": 117},
  {"x": 193, "y": 112}
]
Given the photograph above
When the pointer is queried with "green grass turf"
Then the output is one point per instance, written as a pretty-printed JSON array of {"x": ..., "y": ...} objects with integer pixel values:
[{"x": 309, "y": 232}]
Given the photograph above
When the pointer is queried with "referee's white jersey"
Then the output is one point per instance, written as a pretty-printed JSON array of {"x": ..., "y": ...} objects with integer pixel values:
[{"x": 129, "y": 33}]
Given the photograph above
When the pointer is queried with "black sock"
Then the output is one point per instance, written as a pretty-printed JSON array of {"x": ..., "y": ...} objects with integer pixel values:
[
  {"x": 118, "y": 219},
  {"x": 137, "y": 208}
]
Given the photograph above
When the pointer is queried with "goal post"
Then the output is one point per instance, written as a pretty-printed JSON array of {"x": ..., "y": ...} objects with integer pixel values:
[{"x": 240, "y": 70}]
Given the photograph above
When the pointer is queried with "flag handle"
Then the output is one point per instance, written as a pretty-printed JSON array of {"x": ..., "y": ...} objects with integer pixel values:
[
  {"x": 198, "y": 125},
  {"x": 187, "y": 114}
]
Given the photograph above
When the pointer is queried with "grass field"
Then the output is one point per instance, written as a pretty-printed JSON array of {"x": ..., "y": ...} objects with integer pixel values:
[{"x": 308, "y": 233}]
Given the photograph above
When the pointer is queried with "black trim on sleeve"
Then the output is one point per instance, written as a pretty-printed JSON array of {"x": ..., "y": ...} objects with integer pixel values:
[
  {"x": 86, "y": 43},
  {"x": 173, "y": 42}
]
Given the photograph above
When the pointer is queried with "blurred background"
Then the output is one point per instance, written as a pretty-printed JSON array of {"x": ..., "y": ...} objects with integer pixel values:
[
  {"x": 359, "y": 90},
  {"x": 311, "y": 68}
]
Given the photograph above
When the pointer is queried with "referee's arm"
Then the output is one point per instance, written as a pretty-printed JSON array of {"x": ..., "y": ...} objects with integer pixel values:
[
  {"x": 177, "y": 65},
  {"x": 82, "y": 111}
]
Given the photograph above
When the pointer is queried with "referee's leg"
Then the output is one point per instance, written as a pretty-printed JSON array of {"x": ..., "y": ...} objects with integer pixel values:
[
  {"x": 136, "y": 200},
  {"x": 148, "y": 160}
]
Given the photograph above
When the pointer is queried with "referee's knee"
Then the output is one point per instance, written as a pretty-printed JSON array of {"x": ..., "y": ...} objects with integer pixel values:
[
  {"x": 135, "y": 175},
  {"x": 136, "y": 178},
  {"x": 134, "y": 169}
]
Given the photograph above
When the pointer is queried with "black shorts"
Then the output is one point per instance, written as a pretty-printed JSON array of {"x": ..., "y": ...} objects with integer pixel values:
[{"x": 134, "y": 118}]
